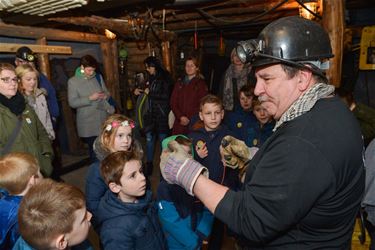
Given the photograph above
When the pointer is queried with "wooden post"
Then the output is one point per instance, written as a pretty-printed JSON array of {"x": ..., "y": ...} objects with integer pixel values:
[
  {"x": 166, "y": 54},
  {"x": 333, "y": 22},
  {"x": 43, "y": 60}
]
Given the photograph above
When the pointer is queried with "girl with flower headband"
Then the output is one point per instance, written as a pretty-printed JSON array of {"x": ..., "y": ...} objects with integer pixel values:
[{"x": 116, "y": 135}]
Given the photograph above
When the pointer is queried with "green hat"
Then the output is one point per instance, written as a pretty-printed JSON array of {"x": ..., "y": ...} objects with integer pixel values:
[{"x": 164, "y": 143}]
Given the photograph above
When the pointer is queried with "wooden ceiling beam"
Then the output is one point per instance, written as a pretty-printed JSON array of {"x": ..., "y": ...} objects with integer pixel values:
[
  {"x": 47, "y": 49},
  {"x": 11, "y": 30}
]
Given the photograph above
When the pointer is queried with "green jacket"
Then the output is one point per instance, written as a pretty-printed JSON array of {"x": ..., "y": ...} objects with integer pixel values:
[
  {"x": 366, "y": 118},
  {"x": 32, "y": 137}
]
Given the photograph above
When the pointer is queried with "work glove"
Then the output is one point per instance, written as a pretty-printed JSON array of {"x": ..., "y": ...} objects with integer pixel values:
[
  {"x": 236, "y": 153},
  {"x": 177, "y": 167}
]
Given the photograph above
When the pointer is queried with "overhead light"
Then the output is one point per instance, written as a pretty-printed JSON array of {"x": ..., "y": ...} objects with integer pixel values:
[
  {"x": 311, "y": 5},
  {"x": 40, "y": 7},
  {"x": 109, "y": 34}
]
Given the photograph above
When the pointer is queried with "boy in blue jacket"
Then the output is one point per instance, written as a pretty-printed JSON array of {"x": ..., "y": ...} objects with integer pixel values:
[
  {"x": 242, "y": 120},
  {"x": 185, "y": 221},
  {"x": 206, "y": 141},
  {"x": 18, "y": 172},
  {"x": 126, "y": 213}
]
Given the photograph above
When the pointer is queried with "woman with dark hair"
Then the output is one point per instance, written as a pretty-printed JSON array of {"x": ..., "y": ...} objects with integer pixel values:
[
  {"x": 90, "y": 98},
  {"x": 158, "y": 89},
  {"x": 186, "y": 96}
]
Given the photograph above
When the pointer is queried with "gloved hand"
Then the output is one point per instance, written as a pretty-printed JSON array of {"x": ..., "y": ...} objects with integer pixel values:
[
  {"x": 236, "y": 153},
  {"x": 177, "y": 167}
]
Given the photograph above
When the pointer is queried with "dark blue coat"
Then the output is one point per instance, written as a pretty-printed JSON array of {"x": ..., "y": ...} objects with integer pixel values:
[
  {"x": 217, "y": 172},
  {"x": 129, "y": 225},
  {"x": 241, "y": 123},
  {"x": 184, "y": 219},
  {"x": 8, "y": 219}
]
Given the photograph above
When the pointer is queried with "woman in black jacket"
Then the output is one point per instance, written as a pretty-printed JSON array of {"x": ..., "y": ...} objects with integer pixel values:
[{"x": 158, "y": 88}]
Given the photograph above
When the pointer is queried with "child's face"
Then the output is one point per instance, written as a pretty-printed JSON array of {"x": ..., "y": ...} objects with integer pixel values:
[
  {"x": 245, "y": 101},
  {"x": 123, "y": 139},
  {"x": 211, "y": 115},
  {"x": 81, "y": 226},
  {"x": 261, "y": 114},
  {"x": 133, "y": 182},
  {"x": 29, "y": 81}
]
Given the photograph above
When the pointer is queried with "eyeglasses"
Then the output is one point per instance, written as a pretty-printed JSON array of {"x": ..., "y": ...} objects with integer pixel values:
[{"x": 8, "y": 80}]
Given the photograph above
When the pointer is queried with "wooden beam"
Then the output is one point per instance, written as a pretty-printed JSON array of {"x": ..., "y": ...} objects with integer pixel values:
[
  {"x": 12, "y": 47},
  {"x": 43, "y": 59},
  {"x": 334, "y": 21},
  {"x": 28, "y": 32}
]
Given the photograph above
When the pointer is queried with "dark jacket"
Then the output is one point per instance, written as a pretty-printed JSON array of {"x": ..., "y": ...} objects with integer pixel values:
[
  {"x": 156, "y": 119},
  {"x": 53, "y": 105},
  {"x": 129, "y": 225},
  {"x": 241, "y": 123},
  {"x": 186, "y": 222},
  {"x": 185, "y": 101},
  {"x": 95, "y": 187},
  {"x": 304, "y": 186},
  {"x": 217, "y": 172},
  {"x": 9, "y": 233}
]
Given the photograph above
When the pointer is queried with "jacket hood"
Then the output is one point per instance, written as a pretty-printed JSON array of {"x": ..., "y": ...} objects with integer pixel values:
[
  {"x": 100, "y": 152},
  {"x": 111, "y": 206}
]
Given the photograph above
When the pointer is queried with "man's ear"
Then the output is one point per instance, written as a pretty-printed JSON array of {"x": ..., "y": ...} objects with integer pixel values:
[
  {"x": 61, "y": 242},
  {"x": 304, "y": 79},
  {"x": 200, "y": 115},
  {"x": 115, "y": 188}
]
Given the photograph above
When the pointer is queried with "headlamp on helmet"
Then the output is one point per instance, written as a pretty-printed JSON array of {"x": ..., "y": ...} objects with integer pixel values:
[{"x": 247, "y": 50}]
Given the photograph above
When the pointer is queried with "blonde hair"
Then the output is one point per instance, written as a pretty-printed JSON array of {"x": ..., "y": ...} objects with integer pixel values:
[
  {"x": 210, "y": 98},
  {"x": 16, "y": 169},
  {"x": 107, "y": 137},
  {"x": 21, "y": 71},
  {"x": 112, "y": 167},
  {"x": 48, "y": 210}
]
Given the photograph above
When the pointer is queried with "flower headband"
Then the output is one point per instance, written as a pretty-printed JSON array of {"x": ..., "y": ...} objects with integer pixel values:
[{"x": 116, "y": 124}]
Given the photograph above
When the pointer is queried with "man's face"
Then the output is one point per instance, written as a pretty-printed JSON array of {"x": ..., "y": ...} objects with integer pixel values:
[
  {"x": 81, "y": 226},
  {"x": 8, "y": 83},
  {"x": 275, "y": 90},
  {"x": 88, "y": 71},
  {"x": 211, "y": 115}
]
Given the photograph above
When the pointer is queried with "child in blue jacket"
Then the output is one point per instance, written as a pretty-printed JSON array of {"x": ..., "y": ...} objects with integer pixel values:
[
  {"x": 242, "y": 121},
  {"x": 126, "y": 213},
  {"x": 18, "y": 172},
  {"x": 186, "y": 222}
]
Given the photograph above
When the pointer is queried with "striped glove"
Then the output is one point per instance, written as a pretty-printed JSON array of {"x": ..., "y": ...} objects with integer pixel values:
[{"x": 177, "y": 167}]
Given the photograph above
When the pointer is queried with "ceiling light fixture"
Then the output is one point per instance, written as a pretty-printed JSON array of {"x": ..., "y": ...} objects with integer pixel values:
[
  {"x": 109, "y": 34},
  {"x": 40, "y": 7},
  {"x": 308, "y": 9}
]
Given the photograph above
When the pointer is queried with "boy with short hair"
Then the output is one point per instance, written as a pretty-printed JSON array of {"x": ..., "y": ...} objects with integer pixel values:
[
  {"x": 126, "y": 213},
  {"x": 241, "y": 121},
  {"x": 52, "y": 215},
  {"x": 264, "y": 125},
  {"x": 207, "y": 141},
  {"x": 18, "y": 172}
]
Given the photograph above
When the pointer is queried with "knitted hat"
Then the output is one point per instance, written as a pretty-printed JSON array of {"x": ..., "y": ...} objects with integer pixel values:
[{"x": 25, "y": 53}]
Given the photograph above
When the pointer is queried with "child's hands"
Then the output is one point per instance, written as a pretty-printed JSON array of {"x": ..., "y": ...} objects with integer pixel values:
[{"x": 201, "y": 149}]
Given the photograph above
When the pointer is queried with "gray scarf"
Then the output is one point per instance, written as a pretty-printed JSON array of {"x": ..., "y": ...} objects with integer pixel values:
[{"x": 305, "y": 102}]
